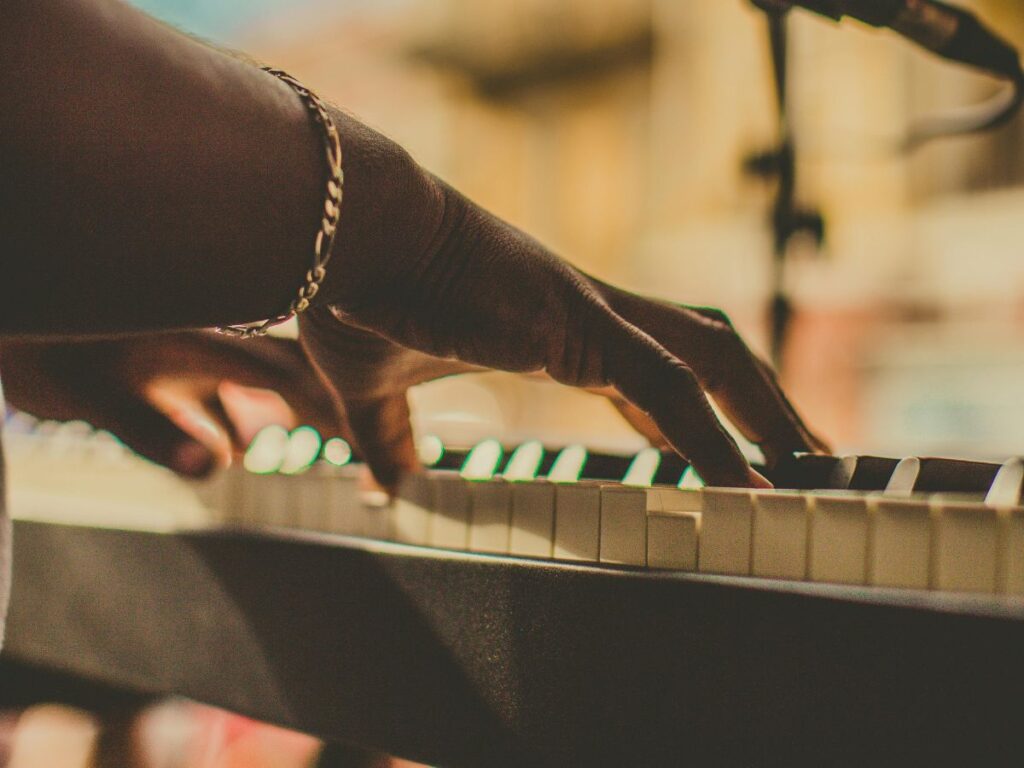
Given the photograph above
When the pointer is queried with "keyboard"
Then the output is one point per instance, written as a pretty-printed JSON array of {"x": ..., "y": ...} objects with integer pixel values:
[
  {"x": 538, "y": 607},
  {"x": 923, "y": 524}
]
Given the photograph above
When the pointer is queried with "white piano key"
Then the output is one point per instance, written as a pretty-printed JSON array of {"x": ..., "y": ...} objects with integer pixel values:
[
  {"x": 221, "y": 493},
  {"x": 966, "y": 547},
  {"x": 780, "y": 536},
  {"x": 301, "y": 451},
  {"x": 524, "y": 462},
  {"x": 1011, "y": 555},
  {"x": 901, "y": 543},
  {"x": 343, "y": 511},
  {"x": 310, "y": 490},
  {"x": 377, "y": 516},
  {"x": 264, "y": 500},
  {"x": 624, "y": 524},
  {"x": 482, "y": 462},
  {"x": 643, "y": 468},
  {"x": 679, "y": 499},
  {"x": 337, "y": 452},
  {"x": 491, "y": 516},
  {"x": 429, "y": 450},
  {"x": 1007, "y": 486},
  {"x": 449, "y": 525},
  {"x": 532, "y": 528},
  {"x": 267, "y": 450},
  {"x": 410, "y": 513},
  {"x": 578, "y": 522},
  {"x": 673, "y": 527},
  {"x": 263, "y": 491},
  {"x": 904, "y": 478},
  {"x": 726, "y": 530},
  {"x": 690, "y": 481},
  {"x": 839, "y": 534},
  {"x": 568, "y": 465},
  {"x": 672, "y": 540}
]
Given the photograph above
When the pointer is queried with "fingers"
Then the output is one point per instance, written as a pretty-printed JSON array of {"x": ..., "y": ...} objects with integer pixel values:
[
  {"x": 818, "y": 444},
  {"x": 205, "y": 439},
  {"x": 383, "y": 432},
  {"x": 637, "y": 419},
  {"x": 748, "y": 392},
  {"x": 663, "y": 387},
  {"x": 370, "y": 376},
  {"x": 274, "y": 365},
  {"x": 194, "y": 446},
  {"x": 740, "y": 383},
  {"x": 753, "y": 402}
]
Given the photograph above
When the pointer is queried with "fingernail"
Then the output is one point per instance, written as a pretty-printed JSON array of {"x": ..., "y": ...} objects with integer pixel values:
[
  {"x": 757, "y": 480},
  {"x": 192, "y": 459}
]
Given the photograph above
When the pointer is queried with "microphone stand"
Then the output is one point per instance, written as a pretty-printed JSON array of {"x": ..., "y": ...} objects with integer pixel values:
[{"x": 787, "y": 219}]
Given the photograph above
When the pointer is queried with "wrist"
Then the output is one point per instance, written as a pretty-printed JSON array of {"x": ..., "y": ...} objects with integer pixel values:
[{"x": 390, "y": 214}]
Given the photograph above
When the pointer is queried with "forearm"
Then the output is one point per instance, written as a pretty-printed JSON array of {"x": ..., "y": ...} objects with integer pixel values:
[{"x": 149, "y": 181}]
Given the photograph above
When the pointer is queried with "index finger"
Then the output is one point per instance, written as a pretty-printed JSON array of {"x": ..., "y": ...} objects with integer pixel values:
[
  {"x": 663, "y": 387},
  {"x": 706, "y": 341}
]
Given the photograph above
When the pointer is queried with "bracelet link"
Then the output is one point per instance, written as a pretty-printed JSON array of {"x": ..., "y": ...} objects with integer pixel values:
[{"x": 323, "y": 244}]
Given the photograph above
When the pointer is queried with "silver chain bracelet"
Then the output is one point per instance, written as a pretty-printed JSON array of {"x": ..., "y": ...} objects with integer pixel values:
[{"x": 324, "y": 242}]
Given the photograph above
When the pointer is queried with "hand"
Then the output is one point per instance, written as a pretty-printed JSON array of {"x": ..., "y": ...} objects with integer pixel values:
[
  {"x": 427, "y": 284},
  {"x": 184, "y": 400}
]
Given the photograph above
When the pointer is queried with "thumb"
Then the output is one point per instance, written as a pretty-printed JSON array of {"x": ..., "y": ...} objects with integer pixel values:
[
  {"x": 204, "y": 433},
  {"x": 179, "y": 442}
]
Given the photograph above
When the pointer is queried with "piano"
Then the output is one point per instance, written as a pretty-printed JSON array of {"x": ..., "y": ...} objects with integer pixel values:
[{"x": 543, "y": 608}]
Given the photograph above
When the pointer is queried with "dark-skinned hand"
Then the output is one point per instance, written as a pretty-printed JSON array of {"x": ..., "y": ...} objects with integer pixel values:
[
  {"x": 186, "y": 400},
  {"x": 426, "y": 284}
]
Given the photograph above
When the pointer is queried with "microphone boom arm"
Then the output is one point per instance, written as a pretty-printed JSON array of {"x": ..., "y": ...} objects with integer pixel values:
[{"x": 947, "y": 31}]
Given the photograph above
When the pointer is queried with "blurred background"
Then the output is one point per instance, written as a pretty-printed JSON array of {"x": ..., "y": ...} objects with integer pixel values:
[
  {"x": 616, "y": 131},
  {"x": 620, "y": 133}
]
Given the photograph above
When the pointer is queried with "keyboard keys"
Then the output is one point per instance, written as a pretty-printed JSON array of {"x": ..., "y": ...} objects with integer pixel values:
[
  {"x": 966, "y": 546},
  {"x": 624, "y": 524},
  {"x": 578, "y": 522},
  {"x": 568, "y": 465},
  {"x": 491, "y": 516},
  {"x": 672, "y": 540},
  {"x": 927, "y": 475},
  {"x": 912, "y": 536},
  {"x": 870, "y": 473},
  {"x": 343, "y": 513},
  {"x": 449, "y": 527},
  {"x": 780, "y": 536},
  {"x": 533, "y": 519},
  {"x": 376, "y": 516},
  {"x": 900, "y": 554},
  {"x": 839, "y": 533},
  {"x": 643, "y": 468},
  {"x": 1007, "y": 486},
  {"x": 410, "y": 513},
  {"x": 726, "y": 531},
  {"x": 1011, "y": 555},
  {"x": 812, "y": 471},
  {"x": 309, "y": 491}
]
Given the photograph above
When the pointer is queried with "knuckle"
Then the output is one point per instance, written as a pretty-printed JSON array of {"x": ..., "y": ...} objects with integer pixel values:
[
  {"x": 586, "y": 347},
  {"x": 715, "y": 315},
  {"x": 728, "y": 358}
]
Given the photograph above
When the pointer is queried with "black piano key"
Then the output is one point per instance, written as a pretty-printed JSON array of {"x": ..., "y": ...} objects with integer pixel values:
[
  {"x": 808, "y": 471},
  {"x": 954, "y": 476},
  {"x": 601, "y": 466},
  {"x": 547, "y": 462},
  {"x": 871, "y": 473},
  {"x": 671, "y": 469},
  {"x": 450, "y": 460}
]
